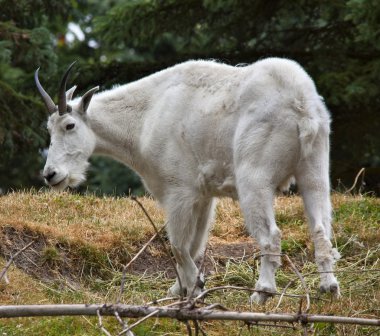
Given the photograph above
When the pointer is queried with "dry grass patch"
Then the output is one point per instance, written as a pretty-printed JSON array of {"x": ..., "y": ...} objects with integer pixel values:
[
  {"x": 89, "y": 238},
  {"x": 104, "y": 222}
]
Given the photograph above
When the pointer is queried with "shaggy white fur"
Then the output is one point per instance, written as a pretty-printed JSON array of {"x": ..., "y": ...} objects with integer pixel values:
[{"x": 201, "y": 130}]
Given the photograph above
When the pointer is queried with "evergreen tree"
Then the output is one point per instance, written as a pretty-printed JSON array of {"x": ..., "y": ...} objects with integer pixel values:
[{"x": 336, "y": 41}]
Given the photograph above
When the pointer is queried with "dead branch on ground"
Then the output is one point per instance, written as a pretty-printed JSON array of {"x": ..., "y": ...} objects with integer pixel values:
[
  {"x": 10, "y": 261},
  {"x": 180, "y": 314}
]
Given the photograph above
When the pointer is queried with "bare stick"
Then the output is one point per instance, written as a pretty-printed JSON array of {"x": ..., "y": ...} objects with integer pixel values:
[
  {"x": 375, "y": 270},
  {"x": 248, "y": 289},
  {"x": 6, "y": 279},
  {"x": 161, "y": 300},
  {"x": 283, "y": 293},
  {"x": 123, "y": 277},
  {"x": 198, "y": 328},
  {"x": 155, "y": 312},
  {"x": 215, "y": 306},
  {"x": 9, "y": 263},
  {"x": 356, "y": 180},
  {"x": 198, "y": 281},
  {"x": 162, "y": 242},
  {"x": 305, "y": 330},
  {"x": 188, "y": 328},
  {"x": 307, "y": 295},
  {"x": 175, "y": 313},
  {"x": 123, "y": 324},
  {"x": 100, "y": 324}
]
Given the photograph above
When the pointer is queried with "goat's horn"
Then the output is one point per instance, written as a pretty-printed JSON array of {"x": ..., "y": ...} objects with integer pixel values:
[
  {"x": 46, "y": 98},
  {"x": 62, "y": 106}
]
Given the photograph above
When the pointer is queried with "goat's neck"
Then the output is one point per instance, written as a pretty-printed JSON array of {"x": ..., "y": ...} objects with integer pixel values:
[{"x": 116, "y": 118}]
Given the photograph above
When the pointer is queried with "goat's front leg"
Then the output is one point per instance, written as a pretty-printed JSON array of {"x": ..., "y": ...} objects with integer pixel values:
[
  {"x": 182, "y": 226},
  {"x": 186, "y": 270},
  {"x": 205, "y": 215}
]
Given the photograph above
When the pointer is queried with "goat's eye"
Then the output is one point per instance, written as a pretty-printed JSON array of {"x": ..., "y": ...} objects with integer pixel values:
[{"x": 70, "y": 126}]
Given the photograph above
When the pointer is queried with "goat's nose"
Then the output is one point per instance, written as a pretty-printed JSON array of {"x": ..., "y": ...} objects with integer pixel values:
[{"x": 49, "y": 175}]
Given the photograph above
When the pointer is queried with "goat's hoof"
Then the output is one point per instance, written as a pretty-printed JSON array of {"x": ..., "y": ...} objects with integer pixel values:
[
  {"x": 175, "y": 290},
  {"x": 332, "y": 288},
  {"x": 262, "y": 295}
]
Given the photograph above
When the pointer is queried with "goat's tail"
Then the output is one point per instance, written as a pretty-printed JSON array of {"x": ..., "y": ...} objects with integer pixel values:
[{"x": 313, "y": 118}]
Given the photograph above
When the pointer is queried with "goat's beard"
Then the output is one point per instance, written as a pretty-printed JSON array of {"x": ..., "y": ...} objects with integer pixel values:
[{"x": 78, "y": 177}]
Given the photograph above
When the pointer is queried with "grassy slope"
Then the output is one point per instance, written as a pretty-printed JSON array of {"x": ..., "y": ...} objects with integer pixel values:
[{"x": 82, "y": 242}]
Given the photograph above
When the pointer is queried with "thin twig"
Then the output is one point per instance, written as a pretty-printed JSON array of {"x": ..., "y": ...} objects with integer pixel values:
[
  {"x": 162, "y": 242},
  {"x": 125, "y": 268},
  {"x": 307, "y": 295},
  {"x": 375, "y": 270},
  {"x": 6, "y": 279},
  {"x": 180, "y": 304},
  {"x": 154, "y": 302},
  {"x": 188, "y": 327},
  {"x": 215, "y": 306},
  {"x": 198, "y": 280},
  {"x": 356, "y": 180},
  {"x": 100, "y": 324},
  {"x": 305, "y": 330},
  {"x": 248, "y": 289},
  {"x": 9, "y": 263},
  {"x": 198, "y": 328},
  {"x": 155, "y": 312},
  {"x": 283, "y": 293},
  {"x": 123, "y": 324}
]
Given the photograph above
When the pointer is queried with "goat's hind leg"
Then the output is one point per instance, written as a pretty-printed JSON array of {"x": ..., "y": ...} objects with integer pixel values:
[
  {"x": 314, "y": 188},
  {"x": 256, "y": 195}
]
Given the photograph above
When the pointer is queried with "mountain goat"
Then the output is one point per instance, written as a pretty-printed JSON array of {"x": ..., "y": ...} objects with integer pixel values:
[{"x": 201, "y": 130}]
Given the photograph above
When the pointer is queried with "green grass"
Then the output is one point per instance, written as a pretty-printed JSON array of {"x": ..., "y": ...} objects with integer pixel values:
[{"x": 86, "y": 237}]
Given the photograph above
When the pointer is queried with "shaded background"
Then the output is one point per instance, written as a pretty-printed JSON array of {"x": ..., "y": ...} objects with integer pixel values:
[{"x": 337, "y": 42}]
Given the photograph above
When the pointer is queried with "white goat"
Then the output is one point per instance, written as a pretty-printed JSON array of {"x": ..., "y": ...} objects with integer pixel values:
[{"x": 201, "y": 130}]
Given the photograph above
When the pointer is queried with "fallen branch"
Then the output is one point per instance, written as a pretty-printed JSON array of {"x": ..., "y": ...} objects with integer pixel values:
[
  {"x": 9, "y": 263},
  {"x": 181, "y": 314}
]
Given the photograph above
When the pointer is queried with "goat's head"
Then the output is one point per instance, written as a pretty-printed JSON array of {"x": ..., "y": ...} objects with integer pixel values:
[{"x": 71, "y": 139}]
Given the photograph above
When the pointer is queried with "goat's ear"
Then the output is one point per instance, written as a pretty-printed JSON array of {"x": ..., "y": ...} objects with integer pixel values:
[
  {"x": 86, "y": 99},
  {"x": 70, "y": 93}
]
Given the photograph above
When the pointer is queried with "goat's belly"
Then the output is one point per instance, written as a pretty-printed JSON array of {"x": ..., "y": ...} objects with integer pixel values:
[{"x": 217, "y": 179}]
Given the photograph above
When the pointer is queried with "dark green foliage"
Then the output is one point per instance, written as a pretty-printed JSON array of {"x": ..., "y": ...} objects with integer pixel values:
[
  {"x": 21, "y": 134},
  {"x": 338, "y": 42},
  {"x": 112, "y": 178}
]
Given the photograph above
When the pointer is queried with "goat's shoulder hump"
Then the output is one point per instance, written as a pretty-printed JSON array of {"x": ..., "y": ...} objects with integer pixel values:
[{"x": 277, "y": 65}]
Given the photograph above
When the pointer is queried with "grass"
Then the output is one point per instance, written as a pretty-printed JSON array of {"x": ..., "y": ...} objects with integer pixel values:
[{"x": 81, "y": 243}]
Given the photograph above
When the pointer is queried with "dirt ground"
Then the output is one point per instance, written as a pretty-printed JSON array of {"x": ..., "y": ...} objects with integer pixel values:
[{"x": 47, "y": 259}]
